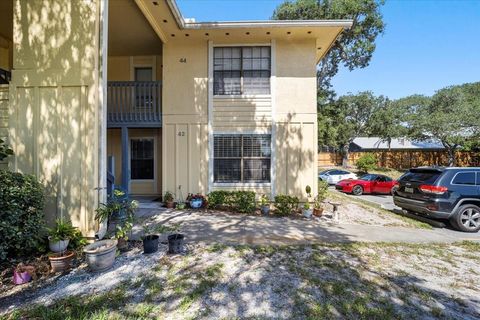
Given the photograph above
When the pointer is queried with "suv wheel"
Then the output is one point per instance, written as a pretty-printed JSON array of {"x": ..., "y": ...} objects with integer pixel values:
[{"x": 467, "y": 218}]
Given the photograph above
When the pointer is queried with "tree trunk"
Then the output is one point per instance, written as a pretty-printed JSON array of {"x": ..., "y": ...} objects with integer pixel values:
[
  {"x": 345, "y": 152},
  {"x": 451, "y": 156}
]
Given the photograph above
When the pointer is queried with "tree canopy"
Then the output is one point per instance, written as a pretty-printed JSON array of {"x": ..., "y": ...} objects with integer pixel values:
[
  {"x": 355, "y": 46},
  {"x": 348, "y": 117},
  {"x": 450, "y": 116}
]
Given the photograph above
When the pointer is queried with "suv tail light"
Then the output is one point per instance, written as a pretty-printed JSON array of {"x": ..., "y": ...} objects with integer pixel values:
[{"x": 433, "y": 189}]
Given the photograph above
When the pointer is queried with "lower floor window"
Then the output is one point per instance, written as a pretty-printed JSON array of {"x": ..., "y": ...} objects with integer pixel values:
[
  {"x": 242, "y": 158},
  {"x": 142, "y": 159}
]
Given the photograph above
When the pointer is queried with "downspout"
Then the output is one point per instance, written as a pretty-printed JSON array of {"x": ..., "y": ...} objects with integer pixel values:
[{"x": 102, "y": 103}]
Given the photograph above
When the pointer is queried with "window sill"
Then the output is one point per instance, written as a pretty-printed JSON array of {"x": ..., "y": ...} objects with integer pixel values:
[
  {"x": 242, "y": 184},
  {"x": 243, "y": 96}
]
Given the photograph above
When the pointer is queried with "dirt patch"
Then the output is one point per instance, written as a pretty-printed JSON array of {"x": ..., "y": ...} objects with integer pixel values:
[{"x": 295, "y": 282}]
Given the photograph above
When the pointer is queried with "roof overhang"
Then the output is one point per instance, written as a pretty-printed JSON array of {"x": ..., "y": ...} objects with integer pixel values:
[{"x": 161, "y": 12}]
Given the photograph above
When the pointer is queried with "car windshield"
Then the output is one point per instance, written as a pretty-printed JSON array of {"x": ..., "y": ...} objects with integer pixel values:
[
  {"x": 368, "y": 177},
  {"x": 424, "y": 176},
  {"x": 325, "y": 172}
]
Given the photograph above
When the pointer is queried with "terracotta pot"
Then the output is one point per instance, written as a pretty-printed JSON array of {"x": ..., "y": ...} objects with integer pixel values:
[
  {"x": 169, "y": 204},
  {"x": 317, "y": 212},
  {"x": 61, "y": 262}
]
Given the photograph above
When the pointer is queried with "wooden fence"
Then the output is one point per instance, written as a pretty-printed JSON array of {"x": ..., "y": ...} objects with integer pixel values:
[{"x": 403, "y": 159}]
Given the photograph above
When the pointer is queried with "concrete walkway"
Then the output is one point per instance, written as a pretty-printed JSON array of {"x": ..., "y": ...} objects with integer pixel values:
[{"x": 242, "y": 229}]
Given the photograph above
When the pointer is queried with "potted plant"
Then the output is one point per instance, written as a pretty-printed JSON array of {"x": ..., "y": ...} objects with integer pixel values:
[
  {"x": 175, "y": 243},
  {"x": 60, "y": 235},
  {"x": 150, "y": 240},
  {"x": 196, "y": 201},
  {"x": 180, "y": 203},
  {"x": 180, "y": 206},
  {"x": 307, "y": 208},
  {"x": 100, "y": 255},
  {"x": 119, "y": 211},
  {"x": 320, "y": 198},
  {"x": 264, "y": 204},
  {"x": 168, "y": 199},
  {"x": 23, "y": 274},
  {"x": 61, "y": 261}
]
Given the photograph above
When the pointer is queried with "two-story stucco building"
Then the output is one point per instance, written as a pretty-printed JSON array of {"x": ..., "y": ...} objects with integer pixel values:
[{"x": 162, "y": 102}]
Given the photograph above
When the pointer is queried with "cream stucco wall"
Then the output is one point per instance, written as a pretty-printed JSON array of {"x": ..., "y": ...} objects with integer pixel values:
[
  {"x": 120, "y": 68},
  {"x": 6, "y": 53},
  {"x": 289, "y": 114},
  {"x": 296, "y": 117},
  {"x": 54, "y": 109},
  {"x": 185, "y": 112}
]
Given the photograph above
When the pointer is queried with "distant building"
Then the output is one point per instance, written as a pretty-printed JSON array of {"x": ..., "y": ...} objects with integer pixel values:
[{"x": 378, "y": 144}]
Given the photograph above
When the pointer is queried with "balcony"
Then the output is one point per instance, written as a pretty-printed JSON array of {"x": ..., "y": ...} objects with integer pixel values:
[{"x": 134, "y": 104}]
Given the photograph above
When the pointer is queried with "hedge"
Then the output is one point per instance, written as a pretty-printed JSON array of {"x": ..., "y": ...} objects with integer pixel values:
[{"x": 22, "y": 222}]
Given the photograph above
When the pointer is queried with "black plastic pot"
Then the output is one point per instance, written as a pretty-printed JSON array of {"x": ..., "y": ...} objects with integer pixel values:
[
  {"x": 150, "y": 244},
  {"x": 175, "y": 243}
]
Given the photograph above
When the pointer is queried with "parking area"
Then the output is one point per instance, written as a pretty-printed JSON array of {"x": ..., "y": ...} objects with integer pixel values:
[{"x": 386, "y": 202}]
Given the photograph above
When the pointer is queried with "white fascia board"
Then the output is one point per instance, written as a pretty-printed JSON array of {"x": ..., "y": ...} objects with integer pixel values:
[{"x": 253, "y": 23}]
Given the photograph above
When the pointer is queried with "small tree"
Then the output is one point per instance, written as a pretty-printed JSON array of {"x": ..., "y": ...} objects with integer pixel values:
[{"x": 367, "y": 162}]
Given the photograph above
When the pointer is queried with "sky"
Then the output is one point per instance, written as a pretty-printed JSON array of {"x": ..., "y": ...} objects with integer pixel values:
[{"x": 427, "y": 44}]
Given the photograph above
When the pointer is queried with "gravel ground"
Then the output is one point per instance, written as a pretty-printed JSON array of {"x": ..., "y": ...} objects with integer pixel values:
[
  {"x": 80, "y": 281},
  {"x": 382, "y": 281},
  {"x": 364, "y": 213}
]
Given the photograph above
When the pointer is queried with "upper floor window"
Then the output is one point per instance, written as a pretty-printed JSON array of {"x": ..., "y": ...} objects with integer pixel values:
[{"x": 241, "y": 70}]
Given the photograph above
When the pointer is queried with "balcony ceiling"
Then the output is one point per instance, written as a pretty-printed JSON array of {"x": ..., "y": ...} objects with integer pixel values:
[{"x": 129, "y": 32}]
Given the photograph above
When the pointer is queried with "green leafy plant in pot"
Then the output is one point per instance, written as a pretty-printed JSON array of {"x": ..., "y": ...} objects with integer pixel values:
[
  {"x": 59, "y": 236},
  {"x": 307, "y": 208},
  {"x": 58, "y": 240},
  {"x": 119, "y": 212},
  {"x": 320, "y": 198},
  {"x": 168, "y": 199},
  {"x": 264, "y": 204}
]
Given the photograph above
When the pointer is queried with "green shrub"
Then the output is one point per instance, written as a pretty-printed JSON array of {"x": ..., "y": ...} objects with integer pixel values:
[
  {"x": 366, "y": 162},
  {"x": 241, "y": 201},
  {"x": 285, "y": 204},
  {"x": 5, "y": 150},
  {"x": 218, "y": 199},
  {"x": 22, "y": 222}
]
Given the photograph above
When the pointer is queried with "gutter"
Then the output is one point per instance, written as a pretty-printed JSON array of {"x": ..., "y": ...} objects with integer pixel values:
[{"x": 182, "y": 24}]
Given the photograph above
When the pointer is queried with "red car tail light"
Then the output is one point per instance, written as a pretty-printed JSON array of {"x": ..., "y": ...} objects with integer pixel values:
[{"x": 433, "y": 189}]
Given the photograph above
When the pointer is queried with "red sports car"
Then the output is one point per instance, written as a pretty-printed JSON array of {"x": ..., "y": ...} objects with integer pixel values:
[{"x": 370, "y": 183}]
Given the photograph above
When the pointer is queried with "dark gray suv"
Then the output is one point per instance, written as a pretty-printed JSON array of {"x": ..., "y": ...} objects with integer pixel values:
[{"x": 442, "y": 193}]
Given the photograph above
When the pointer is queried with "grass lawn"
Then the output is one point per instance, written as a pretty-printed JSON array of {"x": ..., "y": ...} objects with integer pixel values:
[{"x": 353, "y": 281}]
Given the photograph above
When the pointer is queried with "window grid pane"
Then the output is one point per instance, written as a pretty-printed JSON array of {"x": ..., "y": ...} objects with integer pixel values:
[
  {"x": 242, "y": 158},
  {"x": 231, "y": 64}
]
